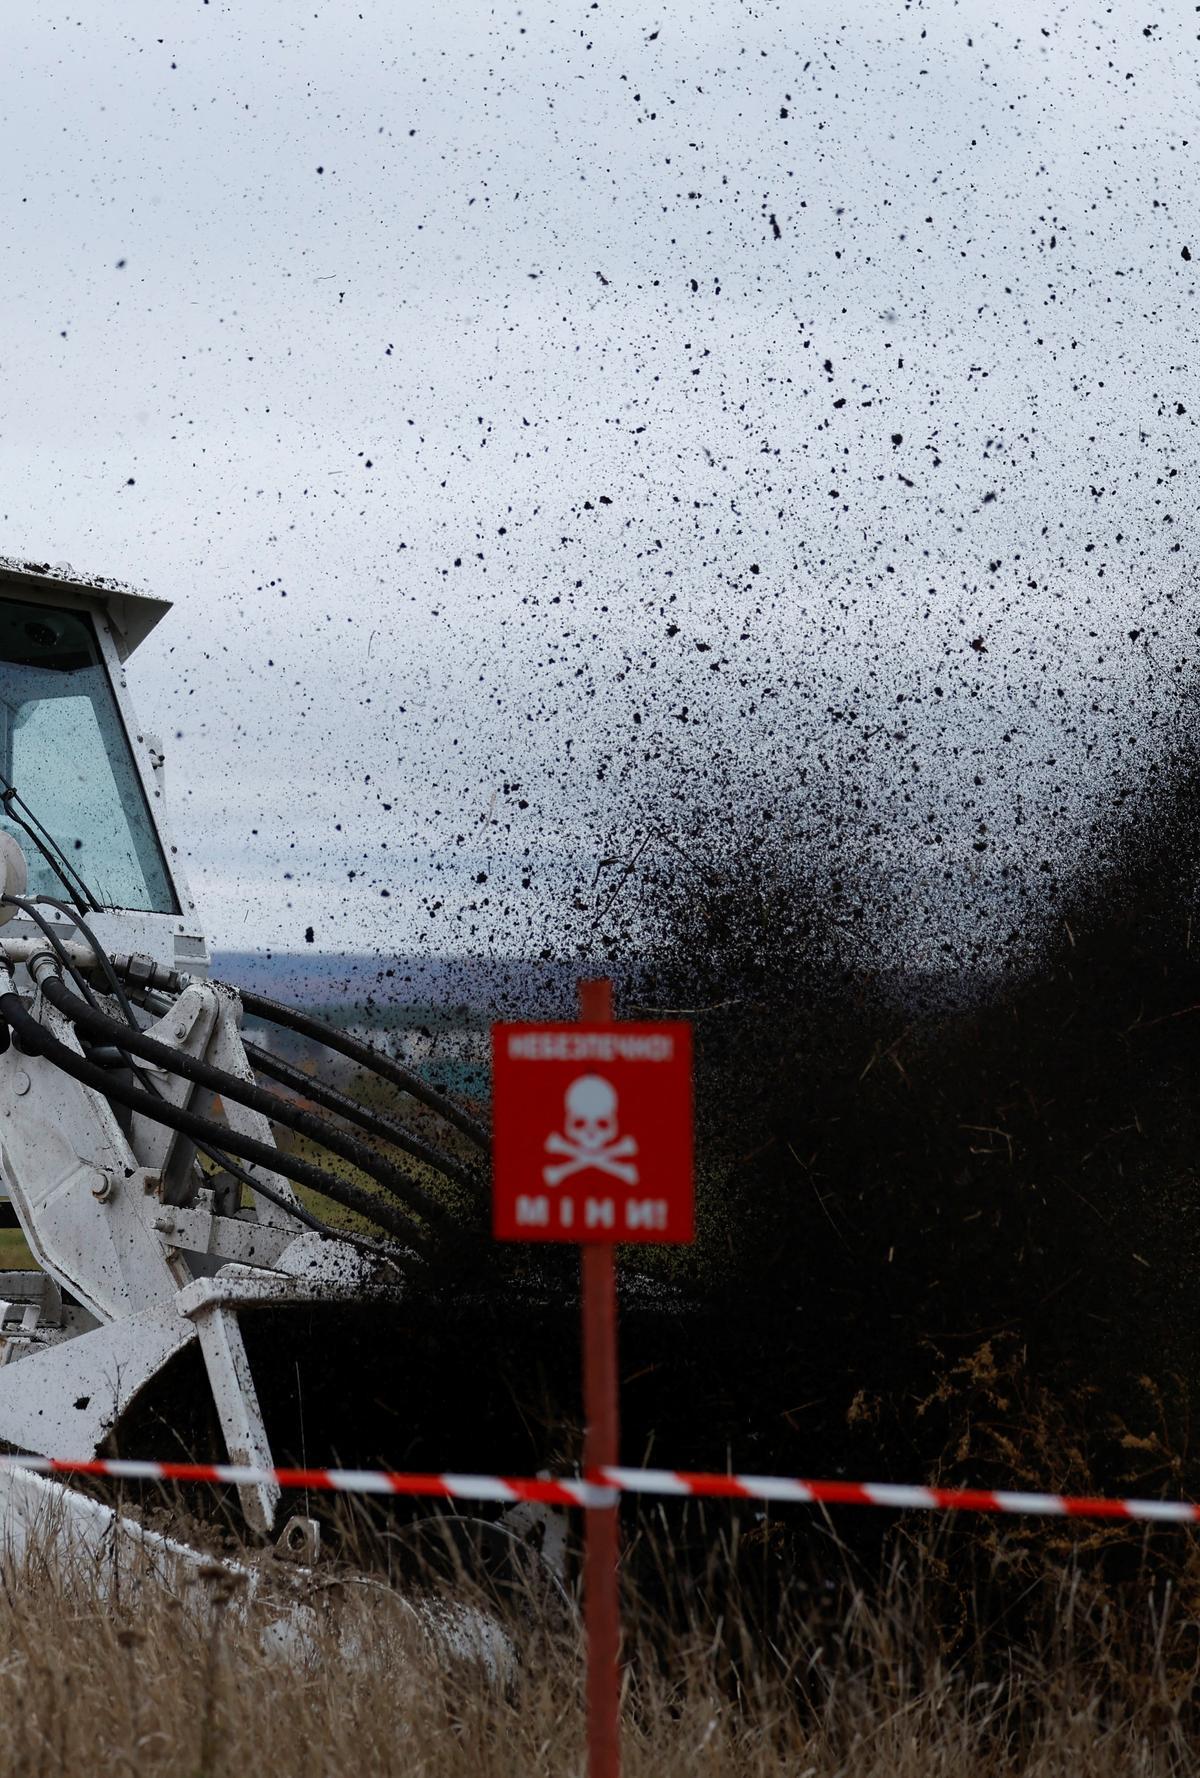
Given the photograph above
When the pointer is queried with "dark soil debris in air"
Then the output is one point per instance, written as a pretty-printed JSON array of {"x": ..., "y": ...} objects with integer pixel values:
[{"x": 932, "y": 918}]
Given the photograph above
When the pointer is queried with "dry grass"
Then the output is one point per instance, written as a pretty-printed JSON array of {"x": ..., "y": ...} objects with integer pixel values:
[{"x": 860, "y": 1690}]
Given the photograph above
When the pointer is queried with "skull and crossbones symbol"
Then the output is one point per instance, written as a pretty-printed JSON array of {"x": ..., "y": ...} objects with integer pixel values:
[{"x": 589, "y": 1137}]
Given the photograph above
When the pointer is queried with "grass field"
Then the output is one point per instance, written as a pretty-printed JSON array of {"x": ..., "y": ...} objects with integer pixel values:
[
  {"x": 888, "y": 1670},
  {"x": 14, "y": 1254},
  {"x": 160, "y": 1686}
]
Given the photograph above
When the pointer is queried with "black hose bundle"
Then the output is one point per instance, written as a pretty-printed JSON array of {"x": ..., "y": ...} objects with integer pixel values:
[
  {"x": 114, "y": 1043},
  {"x": 372, "y": 1122},
  {"x": 276, "y": 1013},
  {"x": 34, "y": 1039},
  {"x": 218, "y": 1080},
  {"x": 110, "y": 1056}
]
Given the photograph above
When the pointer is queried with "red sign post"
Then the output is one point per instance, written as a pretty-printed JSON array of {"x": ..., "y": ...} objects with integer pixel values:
[{"x": 592, "y": 1142}]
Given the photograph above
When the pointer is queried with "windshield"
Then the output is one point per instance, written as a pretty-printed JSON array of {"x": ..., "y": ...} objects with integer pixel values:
[{"x": 64, "y": 748}]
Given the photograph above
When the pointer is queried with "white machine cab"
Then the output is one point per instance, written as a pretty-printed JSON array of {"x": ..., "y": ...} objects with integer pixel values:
[{"x": 81, "y": 782}]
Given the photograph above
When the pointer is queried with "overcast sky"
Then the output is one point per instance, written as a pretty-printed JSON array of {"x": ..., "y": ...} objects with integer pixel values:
[{"x": 527, "y": 405}]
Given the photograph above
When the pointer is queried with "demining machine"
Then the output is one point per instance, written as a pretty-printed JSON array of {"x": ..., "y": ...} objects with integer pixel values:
[{"x": 173, "y": 1180}]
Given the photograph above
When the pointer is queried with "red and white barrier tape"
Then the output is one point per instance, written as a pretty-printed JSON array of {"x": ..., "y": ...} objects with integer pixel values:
[
  {"x": 603, "y": 1487},
  {"x": 899, "y": 1496},
  {"x": 446, "y": 1486}
]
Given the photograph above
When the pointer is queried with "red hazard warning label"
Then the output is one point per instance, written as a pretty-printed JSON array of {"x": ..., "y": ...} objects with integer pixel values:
[{"x": 592, "y": 1132}]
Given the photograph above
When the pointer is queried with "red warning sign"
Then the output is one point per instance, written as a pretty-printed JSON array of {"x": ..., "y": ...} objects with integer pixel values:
[{"x": 592, "y": 1132}]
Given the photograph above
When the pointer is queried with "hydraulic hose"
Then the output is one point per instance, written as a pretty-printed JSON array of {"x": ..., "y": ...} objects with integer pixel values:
[
  {"x": 117, "y": 1057},
  {"x": 293, "y": 1209},
  {"x": 35, "y": 1040},
  {"x": 111, "y": 1057},
  {"x": 374, "y": 1125},
  {"x": 102, "y": 956},
  {"x": 46, "y": 928},
  {"x": 276, "y": 1013},
  {"x": 217, "y": 1080}
]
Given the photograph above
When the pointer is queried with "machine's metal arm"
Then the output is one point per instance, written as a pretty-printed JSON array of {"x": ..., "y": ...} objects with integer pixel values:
[{"x": 95, "y": 1203}]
